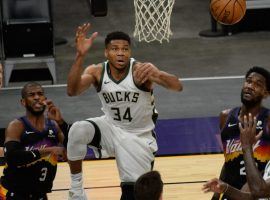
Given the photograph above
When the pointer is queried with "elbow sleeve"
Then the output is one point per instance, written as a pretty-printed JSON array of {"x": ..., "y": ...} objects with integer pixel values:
[{"x": 16, "y": 155}]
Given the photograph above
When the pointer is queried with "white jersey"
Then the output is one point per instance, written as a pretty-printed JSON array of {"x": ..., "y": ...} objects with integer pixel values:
[
  {"x": 124, "y": 104},
  {"x": 267, "y": 171}
]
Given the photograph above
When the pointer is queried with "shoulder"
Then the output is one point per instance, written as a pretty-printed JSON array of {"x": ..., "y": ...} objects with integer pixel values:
[
  {"x": 15, "y": 129},
  {"x": 93, "y": 73},
  {"x": 16, "y": 124},
  {"x": 223, "y": 116},
  {"x": 225, "y": 113},
  {"x": 94, "y": 69}
]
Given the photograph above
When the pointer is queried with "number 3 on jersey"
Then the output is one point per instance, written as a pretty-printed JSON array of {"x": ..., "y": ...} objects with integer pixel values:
[
  {"x": 120, "y": 116},
  {"x": 44, "y": 171}
]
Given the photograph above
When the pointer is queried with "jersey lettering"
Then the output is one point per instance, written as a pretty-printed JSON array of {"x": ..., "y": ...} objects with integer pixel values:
[
  {"x": 112, "y": 97},
  {"x": 235, "y": 146},
  {"x": 117, "y": 114}
]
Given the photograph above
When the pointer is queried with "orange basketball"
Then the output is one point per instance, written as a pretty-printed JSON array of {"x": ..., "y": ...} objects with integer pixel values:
[{"x": 228, "y": 12}]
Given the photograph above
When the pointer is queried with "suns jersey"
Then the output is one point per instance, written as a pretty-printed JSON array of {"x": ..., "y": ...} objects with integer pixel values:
[
  {"x": 234, "y": 167},
  {"x": 36, "y": 177},
  {"x": 124, "y": 104}
]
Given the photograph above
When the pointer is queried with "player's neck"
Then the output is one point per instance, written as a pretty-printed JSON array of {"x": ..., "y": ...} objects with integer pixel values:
[
  {"x": 117, "y": 73},
  {"x": 254, "y": 110},
  {"x": 37, "y": 121}
]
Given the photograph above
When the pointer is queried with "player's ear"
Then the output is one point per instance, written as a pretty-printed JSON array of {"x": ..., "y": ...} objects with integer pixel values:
[
  {"x": 23, "y": 102},
  {"x": 266, "y": 94},
  {"x": 106, "y": 52}
]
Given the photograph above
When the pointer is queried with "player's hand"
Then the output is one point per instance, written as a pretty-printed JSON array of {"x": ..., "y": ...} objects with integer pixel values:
[
  {"x": 214, "y": 185},
  {"x": 83, "y": 43},
  {"x": 60, "y": 152},
  {"x": 145, "y": 72},
  {"x": 247, "y": 128},
  {"x": 53, "y": 112}
]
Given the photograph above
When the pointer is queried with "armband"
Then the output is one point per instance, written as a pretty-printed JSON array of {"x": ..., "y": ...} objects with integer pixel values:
[{"x": 16, "y": 155}]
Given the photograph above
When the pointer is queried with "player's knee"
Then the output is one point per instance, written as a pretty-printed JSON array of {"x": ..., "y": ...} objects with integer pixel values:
[{"x": 81, "y": 132}]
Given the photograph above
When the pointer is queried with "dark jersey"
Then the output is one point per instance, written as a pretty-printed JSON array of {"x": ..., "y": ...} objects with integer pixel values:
[
  {"x": 234, "y": 168},
  {"x": 36, "y": 177}
]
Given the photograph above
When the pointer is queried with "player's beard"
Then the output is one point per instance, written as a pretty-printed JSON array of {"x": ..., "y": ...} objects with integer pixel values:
[
  {"x": 250, "y": 103},
  {"x": 35, "y": 113}
]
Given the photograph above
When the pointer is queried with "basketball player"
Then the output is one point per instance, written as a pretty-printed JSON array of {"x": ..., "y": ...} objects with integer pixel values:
[
  {"x": 149, "y": 186},
  {"x": 125, "y": 89},
  {"x": 258, "y": 186},
  {"x": 256, "y": 88},
  {"x": 32, "y": 145}
]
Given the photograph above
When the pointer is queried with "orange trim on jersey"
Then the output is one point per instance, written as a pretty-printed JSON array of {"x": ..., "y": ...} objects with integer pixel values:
[{"x": 3, "y": 193}]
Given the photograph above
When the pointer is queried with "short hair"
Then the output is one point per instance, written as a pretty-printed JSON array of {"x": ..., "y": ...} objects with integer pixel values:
[
  {"x": 149, "y": 186},
  {"x": 116, "y": 35},
  {"x": 260, "y": 70},
  {"x": 27, "y": 85}
]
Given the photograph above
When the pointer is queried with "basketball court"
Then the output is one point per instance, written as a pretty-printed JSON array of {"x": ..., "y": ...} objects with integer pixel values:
[{"x": 211, "y": 68}]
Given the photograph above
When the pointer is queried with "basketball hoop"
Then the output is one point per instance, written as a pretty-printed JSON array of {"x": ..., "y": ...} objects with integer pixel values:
[{"x": 152, "y": 20}]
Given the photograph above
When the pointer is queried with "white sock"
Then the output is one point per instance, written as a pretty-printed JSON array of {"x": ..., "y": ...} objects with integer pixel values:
[{"x": 76, "y": 181}]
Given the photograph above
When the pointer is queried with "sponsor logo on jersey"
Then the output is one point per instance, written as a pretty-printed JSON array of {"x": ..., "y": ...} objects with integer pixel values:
[
  {"x": 51, "y": 135},
  {"x": 259, "y": 125}
]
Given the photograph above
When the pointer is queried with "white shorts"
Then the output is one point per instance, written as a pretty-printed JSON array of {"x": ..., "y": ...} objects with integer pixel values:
[{"x": 134, "y": 154}]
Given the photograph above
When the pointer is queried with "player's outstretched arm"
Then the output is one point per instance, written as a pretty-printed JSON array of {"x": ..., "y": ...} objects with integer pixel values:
[
  {"x": 78, "y": 78},
  {"x": 257, "y": 185},
  {"x": 219, "y": 187},
  {"x": 145, "y": 73}
]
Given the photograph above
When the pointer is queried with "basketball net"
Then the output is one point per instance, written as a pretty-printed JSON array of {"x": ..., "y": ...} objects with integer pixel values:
[{"x": 152, "y": 20}]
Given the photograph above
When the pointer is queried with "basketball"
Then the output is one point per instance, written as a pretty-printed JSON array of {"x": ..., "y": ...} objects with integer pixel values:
[{"x": 228, "y": 12}]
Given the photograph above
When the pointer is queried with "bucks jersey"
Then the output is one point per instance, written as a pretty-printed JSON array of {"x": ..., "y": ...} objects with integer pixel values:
[
  {"x": 234, "y": 167},
  {"x": 36, "y": 177},
  {"x": 267, "y": 171},
  {"x": 126, "y": 105}
]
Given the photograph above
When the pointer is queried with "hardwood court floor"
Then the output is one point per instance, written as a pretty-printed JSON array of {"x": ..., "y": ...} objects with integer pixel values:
[{"x": 183, "y": 177}]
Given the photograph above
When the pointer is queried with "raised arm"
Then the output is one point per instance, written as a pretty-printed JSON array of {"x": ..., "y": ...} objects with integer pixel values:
[
  {"x": 257, "y": 185},
  {"x": 147, "y": 74},
  {"x": 78, "y": 78}
]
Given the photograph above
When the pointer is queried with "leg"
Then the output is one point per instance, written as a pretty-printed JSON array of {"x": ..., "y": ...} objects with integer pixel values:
[
  {"x": 80, "y": 135},
  {"x": 134, "y": 156},
  {"x": 127, "y": 191}
]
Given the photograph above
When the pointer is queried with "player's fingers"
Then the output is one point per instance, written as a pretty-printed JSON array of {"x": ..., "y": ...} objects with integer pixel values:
[
  {"x": 85, "y": 27},
  {"x": 241, "y": 127},
  {"x": 245, "y": 122},
  {"x": 145, "y": 73},
  {"x": 94, "y": 35},
  {"x": 250, "y": 120},
  {"x": 254, "y": 123},
  {"x": 259, "y": 135}
]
